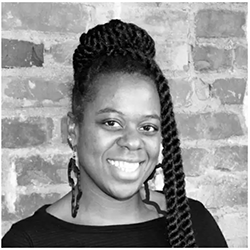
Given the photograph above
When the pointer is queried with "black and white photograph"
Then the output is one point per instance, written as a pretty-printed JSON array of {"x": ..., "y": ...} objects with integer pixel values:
[{"x": 124, "y": 124}]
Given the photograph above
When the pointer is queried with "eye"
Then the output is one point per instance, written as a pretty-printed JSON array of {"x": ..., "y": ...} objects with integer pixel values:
[
  {"x": 112, "y": 124},
  {"x": 149, "y": 128}
]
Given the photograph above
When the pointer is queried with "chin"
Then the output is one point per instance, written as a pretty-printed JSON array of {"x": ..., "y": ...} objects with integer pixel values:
[{"x": 123, "y": 194}]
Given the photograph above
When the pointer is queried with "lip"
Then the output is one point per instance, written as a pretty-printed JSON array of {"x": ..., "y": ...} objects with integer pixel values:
[{"x": 127, "y": 160}]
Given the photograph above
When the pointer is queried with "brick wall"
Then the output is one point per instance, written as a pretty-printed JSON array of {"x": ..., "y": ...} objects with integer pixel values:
[{"x": 202, "y": 49}]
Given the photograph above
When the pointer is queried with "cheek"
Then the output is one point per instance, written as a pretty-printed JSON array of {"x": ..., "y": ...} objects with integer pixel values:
[
  {"x": 94, "y": 143},
  {"x": 91, "y": 144},
  {"x": 154, "y": 146},
  {"x": 87, "y": 147}
]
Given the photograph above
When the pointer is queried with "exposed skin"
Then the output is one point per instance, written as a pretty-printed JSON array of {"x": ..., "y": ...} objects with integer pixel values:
[{"x": 122, "y": 123}]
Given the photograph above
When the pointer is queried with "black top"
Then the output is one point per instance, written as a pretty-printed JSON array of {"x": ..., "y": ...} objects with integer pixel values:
[{"x": 44, "y": 230}]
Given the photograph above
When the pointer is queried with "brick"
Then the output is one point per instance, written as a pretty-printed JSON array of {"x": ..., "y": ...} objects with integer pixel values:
[
  {"x": 195, "y": 161},
  {"x": 37, "y": 88},
  {"x": 215, "y": 191},
  {"x": 208, "y": 126},
  {"x": 61, "y": 173},
  {"x": 234, "y": 225},
  {"x": 238, "y": 242},
  {"x": 63, "y": 53},
  {"x": 162, "y": 22},
  {"x": 5, "y": 164},
  {"x": 64, "y": 129},
  {"x": 9, "y": 187},
  {"x": 102, "y": 12},
  {"x": 6, "y": 225},
  {"x": 52, "y": 17},
  {"x": 21, "y": 54},
  {"x": 37, "y": 170},
  {"x": 34, "y": 201},
  {"x": 6, "y": 215},
  {"x": 241, "y": 59},
  {"x": 28, "y": 133},
  {"x": 231, "y": 158},
  {"x": 181, "y": 92},
  {"x": 214, "y": 24},
  {"x": 172, "y": 56},
  {"x": 207, "y": 58},
  {"x": 202, "y": 89},
  {"x": 230, "y": 90}
]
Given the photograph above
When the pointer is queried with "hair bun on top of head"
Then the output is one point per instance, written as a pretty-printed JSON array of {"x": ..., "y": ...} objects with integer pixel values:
[{"x": 114, "y": 37}]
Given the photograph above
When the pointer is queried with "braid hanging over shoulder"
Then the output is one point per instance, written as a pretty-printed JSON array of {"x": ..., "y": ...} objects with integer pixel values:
[
  {"x": 125, "y": 45},
  {"x": 180, "y": 227}
]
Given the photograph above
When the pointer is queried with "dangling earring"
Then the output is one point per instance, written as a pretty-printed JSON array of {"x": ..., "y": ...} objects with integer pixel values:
[
  {"x": 147, "y": 192},
  {"x": 153, "y": 173},
  {"x": 76, "y": 188}
]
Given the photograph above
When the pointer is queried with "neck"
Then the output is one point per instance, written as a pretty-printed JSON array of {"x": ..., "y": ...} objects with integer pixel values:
[{"x": 98, "y": 208}]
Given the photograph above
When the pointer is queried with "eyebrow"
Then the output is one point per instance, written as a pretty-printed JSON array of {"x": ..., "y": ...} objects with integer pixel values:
[{"x": 111, "y": 110}]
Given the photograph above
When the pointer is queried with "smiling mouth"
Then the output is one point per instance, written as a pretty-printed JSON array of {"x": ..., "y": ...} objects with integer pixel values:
[{"x": 125, "y": 166}]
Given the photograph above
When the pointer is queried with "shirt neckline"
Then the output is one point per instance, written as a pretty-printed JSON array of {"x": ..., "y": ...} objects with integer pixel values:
[{"x": 146, "y": 225}]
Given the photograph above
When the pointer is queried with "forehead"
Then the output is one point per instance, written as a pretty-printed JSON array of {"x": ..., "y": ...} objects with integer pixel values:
[{"x": 126, "y": 89}]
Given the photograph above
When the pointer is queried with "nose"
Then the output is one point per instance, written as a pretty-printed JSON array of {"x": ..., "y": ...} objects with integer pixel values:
[{"x": 131, "y": 139}]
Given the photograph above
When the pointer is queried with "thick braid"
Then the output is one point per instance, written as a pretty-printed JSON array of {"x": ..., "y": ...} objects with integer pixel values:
[
  {"x": 172, "y": 166},
  {"x": 180, "y": 227},
  {"x": 183, "y": 207},
  {"x": 168, "y": 166},
  {"x": 129, "y": 42},
  {"x": 182, "y": 202}
]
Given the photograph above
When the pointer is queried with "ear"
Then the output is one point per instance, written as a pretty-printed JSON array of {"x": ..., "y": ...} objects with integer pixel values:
[{"x": 73, "y": 130}]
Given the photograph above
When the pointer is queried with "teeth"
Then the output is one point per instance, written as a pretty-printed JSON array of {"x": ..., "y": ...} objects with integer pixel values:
[{"x": 125, "y": 166}]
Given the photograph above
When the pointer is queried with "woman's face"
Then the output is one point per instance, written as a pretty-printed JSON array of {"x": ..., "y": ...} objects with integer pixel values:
[{"x": 118, "y": 141}]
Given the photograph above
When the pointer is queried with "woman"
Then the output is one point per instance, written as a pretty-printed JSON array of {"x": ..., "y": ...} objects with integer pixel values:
[{"x": 121, "y": 113}]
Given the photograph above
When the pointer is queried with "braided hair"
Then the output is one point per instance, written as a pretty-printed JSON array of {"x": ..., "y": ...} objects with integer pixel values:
[{"x": 124, "y": 47}]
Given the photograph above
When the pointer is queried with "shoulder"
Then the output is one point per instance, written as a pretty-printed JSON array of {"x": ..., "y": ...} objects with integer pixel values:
[
  {"x": 199, "y": 214},
  {"x": 196, "y": 207},
  {"x": 23, "y": 232},
  {"x": 206, "y": 229}
]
